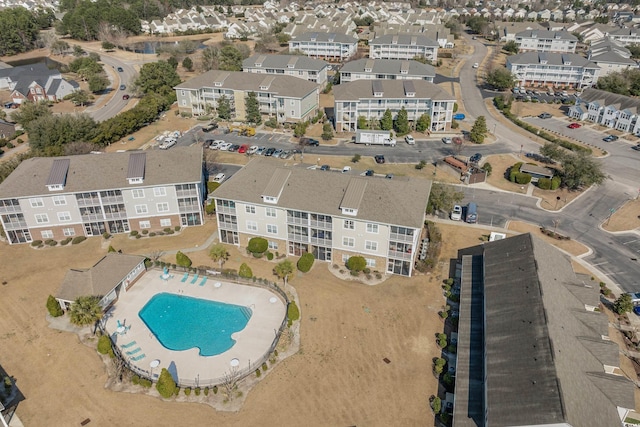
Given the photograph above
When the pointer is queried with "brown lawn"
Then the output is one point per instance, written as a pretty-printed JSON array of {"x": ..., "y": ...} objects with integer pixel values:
[
  {"x": 571, "y": 246},
  {"x": 626, "y": 218}
]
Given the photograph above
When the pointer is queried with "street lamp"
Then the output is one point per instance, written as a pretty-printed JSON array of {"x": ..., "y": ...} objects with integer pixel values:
[{"x": 494, "y": 128}]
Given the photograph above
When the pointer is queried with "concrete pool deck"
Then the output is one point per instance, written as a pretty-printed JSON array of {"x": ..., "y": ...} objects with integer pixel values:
[{"x": 252, "y": 343}]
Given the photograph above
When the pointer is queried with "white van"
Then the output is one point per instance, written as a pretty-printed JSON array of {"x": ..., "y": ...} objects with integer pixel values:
[
  {"x": 168, "y": 143},
  {"x": 219, "y": 177}
]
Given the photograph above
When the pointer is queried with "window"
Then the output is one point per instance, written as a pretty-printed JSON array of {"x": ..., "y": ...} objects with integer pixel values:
[
  {"x": 370, "y": 246},
  {"x": 64, "y": 216},
  {"x": 370, "y": 262},
  {"x": 162, "y": 207},
  {"x": 145, "y": 224},
  {"x": 59, "y": 200},
  {"x": 252, "y": 226},
  {"x": 372, "y": 228},
  {"x": 349, "y": 224},
  {"x": 42, "y": 218},
  {"x": 141, "y": 209},
  {"x": 273, "y": 245},
  {"x": 165, "y": 222},
  {"x": 159, "y": 191},
  {"x": 272, "y": 229},
  {"x": 348, "y": 241},
  {"x": 271, "y": 212},
  {"x": 270, "y": 199},
  {"x": 69, "y": 232},
  {"x": 47, "y": 234},
  {"x": 250, "y": 209},
  {"x": 138, "y": 193},
  {"x": 36, "y": 203}
]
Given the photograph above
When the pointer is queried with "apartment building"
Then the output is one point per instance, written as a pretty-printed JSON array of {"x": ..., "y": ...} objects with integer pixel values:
[
  {"x": 541, "y": 69},
  {"x": 625, "y": 36},
  {"x": 88, "y": 195},
  {"x": 329, "y": 46},
  {"x": 386, "y": 69},
  {"x": 333, "y": 215},
  {"x": 608, "y": 109},
  {"x": 302, "y": 67},
  {"x": 546, "y": 41},
  {"x": 403, "y": 46},
  {"x": 371, "y": 98},
  {"x": 287, "y": 98},
  {"x": 611, "y": 56}
]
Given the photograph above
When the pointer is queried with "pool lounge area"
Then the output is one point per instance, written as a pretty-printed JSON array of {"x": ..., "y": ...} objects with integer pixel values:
[{"x": 262, "y": 310}]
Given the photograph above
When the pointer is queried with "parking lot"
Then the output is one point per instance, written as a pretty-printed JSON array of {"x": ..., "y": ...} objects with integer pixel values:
[{"x": 544, "y": 97}]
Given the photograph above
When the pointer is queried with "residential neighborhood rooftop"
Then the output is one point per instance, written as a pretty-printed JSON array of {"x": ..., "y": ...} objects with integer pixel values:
[
  {"x": 390, "y": 89},
  {"x": 390, "y": 66}
]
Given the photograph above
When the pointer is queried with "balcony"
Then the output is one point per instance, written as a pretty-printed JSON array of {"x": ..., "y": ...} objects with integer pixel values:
[
  {"x": 294, "y": 220},
  {"x": 228, "y": 226},
  {"x": 401, "y": 237},
  {"x": 92, "y": 217},
  {"x": 320, "y": 241},
  {"x": 10, "y": 209},
  {"x": 115, "y": 215},
  {"x": 225, "y": 209},
  {"x": 112, "y": 200},
  {"x": 187, "y": 193},
  {"x": 405, "y": 256},
  {"x": 15, "y": 225},
  {"x": 298, "y": 238},
  {"x": 188, "y": 207},
  {"x": 321, "y": 224},
  {"x": 94, "y": 201}
]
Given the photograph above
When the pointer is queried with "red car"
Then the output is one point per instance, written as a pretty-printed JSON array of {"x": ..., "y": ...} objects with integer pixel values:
[
  {"x": 574, "y": 125},
  {"x": 243, "y": 148}
]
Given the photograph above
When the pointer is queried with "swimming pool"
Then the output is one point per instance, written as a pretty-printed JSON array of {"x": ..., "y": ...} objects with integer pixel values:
[{"x": 180, "y": 322}]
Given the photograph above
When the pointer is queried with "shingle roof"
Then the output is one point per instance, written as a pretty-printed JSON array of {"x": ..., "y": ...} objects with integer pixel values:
[
  {"x": 612, "y": 57},
  {"x": 283, "y": 61},
  {"x": 546, "y": 34},
  {"x": 362, "y": 89},
  {"x": 100, "y": 279},
  {"x": 94, "y": 172},
  {"x": 608, "y": 98},
  {"x": 394, "y": 201},
  {"x": 326, "y": 37},
  {"x": 551, "y": 58},
  {"x": 391, "y": 66},
  {"x": 286, "y": 86},
  {"x": 404, "y": 39}
]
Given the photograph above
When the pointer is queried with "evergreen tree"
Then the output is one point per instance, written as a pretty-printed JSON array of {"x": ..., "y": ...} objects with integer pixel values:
[
  {"x": 85, "y": 311},
  {"x": 224, "y": 108},
  {"x": 253, "y": 109},
  {"x": 402, "y": 122},
  {"x": 386, "y": 123},
  {"x": 187, "y": 64},
  {"x": 362, "y": 122},
  {"x": 479, "y": 130},
  {"x": 327, "y": 131},
  {"x": 423, "y": 123}
]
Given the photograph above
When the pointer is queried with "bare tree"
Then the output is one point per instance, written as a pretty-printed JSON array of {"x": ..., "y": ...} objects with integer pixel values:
[
  {"x": 155, "y": 255},
  {"x": 458, "y": 145},
  {"x": 79, "y": 147},
  {"x": 230, "y": 382}
]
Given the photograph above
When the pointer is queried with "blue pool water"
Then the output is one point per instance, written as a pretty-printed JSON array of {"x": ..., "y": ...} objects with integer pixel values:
[{"x": 181, "y": 322}]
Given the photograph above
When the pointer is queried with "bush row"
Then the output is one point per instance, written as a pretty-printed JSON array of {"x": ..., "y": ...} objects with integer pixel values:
[{"x": 52, "y": 242}]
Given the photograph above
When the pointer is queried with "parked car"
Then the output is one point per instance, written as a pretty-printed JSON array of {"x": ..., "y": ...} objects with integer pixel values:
[
  {"x": 369, "y": 172},
  {"x": 545, "y": 116},
  {"x": 389, "y": 176},
  {"x": 120, "y": 70},
  {"x": 409, "y": 140},
  {"x": 125, "y": 97},
  {"x": 122, "y": 87},
  {"x": 167, "y": 143},
  {"x": 610, "y": 138},
  {"x": 476, "y": 65},
  {"x": 475, "y": 158},
  {"x": 224, "y": 146},
  {"x": 446, "y": 140},
  {"x": 211, "y": 126},
  {"x": 260, "y": 151},
  {"x": 253, "y": 149},
  {"x": 233, "y": 148},
  {"x": 456, "y": 213},
  {"x": 269, "y": 152},
  {"x": 243, "y": 148},
  {"x": 219, "y": 177},
  {"x": 574, "y": 125},
  {"x": 277, "y": 153},
  {"x": 636, "y": 147},
  {"x": 325, "y": 167},
  {"x": 346, "y": 169},
  {"x": 286, "y": 154},
  {"x": 636, "y": 310},
  {"x": 309, "y": 141},
  {"x": 215, "y": 145},
  {"x": 379, "y": 158}
]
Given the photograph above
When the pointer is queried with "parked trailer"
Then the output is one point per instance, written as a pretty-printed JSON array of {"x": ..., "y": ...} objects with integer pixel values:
[{"x": 375, "y": 137}]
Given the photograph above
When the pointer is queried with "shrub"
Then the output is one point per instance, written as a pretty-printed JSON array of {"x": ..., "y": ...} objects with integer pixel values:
[
  {"x": 66, "y": 241},
  {"x": 78, "y": 239},
  {"x": 133, "y": 233},
  {"x": 436, "y": 405},
  {"x": 106, "y": 235},
  {"x": 215, "y": 389},
  {"x": 258, "y": 373},
  {"x": 544, "y": 183},
  {"x": 182, "y": 260},
  {"x": 197, "y": 390},
  {"x": 264, "y": 367},
  {"x": 187, "y": 391},
  {"x": 444, "y": 314},
  {"x": 269, "y": 256},
  {"x": 176, "y": 228},
  {"x": 36, "y": 243},
  {"x": 366, "y": 270},
  {"x": 306, "y": 262},
  {"x": 152, "y": 234},
  {"x": 111, "y": 249},
  {"x": 555, "y": 182},
  {"x": 135, "y": 379},
  {"x": 104, "y": 344},
  {"x": 245, "y": 271},
  {"x": 177, "y": 391},
  {"x": 523, "y": 178},
  {"x": 513, "y": 170},
  {"x": 53, "y": 307},
  {"x": 487, "y": 168},
  {"x": 166, "y": 386},
  {"x": 442, "y": 340},
  {"x": 145, "y": 383},
  {"x": 258, "y": 245},
  {"x": 293, "y": 313},
  {"x": 145, "y": 232},
  {"x": 356, "y": 158},
  {"x": 356, "y": 263},
  {"x": 438, "y": 365},
  {"x": 206, "y": 391},
  {"x": 167, "y": 230}
]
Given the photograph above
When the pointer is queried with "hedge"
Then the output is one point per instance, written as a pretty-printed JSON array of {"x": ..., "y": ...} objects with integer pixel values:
[
  {"x": 53, "y": 307},
  {"x": 182, "y": 260},
  {"x": 293, "y": 313},
  {"x": 544, "y": 183},
  {"x": 523, "y": 178},
  {"x": 513, "y": 170},
  {"x": 258, "y": 245},
  {"x": 306, "y": 262},
  {"x": 245, "y": 271},
  {"x": 78, "y": 239}
]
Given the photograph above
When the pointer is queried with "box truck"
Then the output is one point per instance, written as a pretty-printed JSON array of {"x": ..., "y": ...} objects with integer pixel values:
[{"x": 374, "y": 137}]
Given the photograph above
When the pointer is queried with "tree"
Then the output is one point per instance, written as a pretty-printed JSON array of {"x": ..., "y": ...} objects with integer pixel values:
[
  {"x": 634, "y": 49},
  {"x": 442, "y": 198},
  {"x": 18, "y": 31},
  {"x": 284, "y": 270},
  {"x": 166, "y": 385},
  {"x": 423, "y": 123},
  {"x": 106, "y": 45},
  {"x": 98, "y": 82},
  {"x": 477, "y": 24},
  {"x": 386, "y": 123},
  {"x": 252, "y": 107},
  {"x": 327, "y": 131},
  {"x": 580, "y": 170},
  {"x": 501, "y": 78},
  {"x": 245, "y": 271},
  {"x": 218, "y": 253},
  {"x": 182, "y": 260},
  {"x": 283, "y": 39},
  {"x": 48, "y": 135},
  {"x": 305, "y": 262},
  {"x": 401, "y": 124},
  {"x": 224, "y": 108},
  {"x": 230, "y": 59},
  {"x": 487, "y": 168},
  {"x": 356, "y": 263},
  {"x": 78, "y": 51},
  {"x": 362, "y": 122},
  {"x": 158, "y": 77},
  {"x": 623, "y": 304},
  {"x": 511, "y": 46},
  {"x": 478, "y": 130},
  {"x": 187, "y": 64},
  {"x": 53, "y": 307},
  {"x": 80, "y": 97},
  {"x": 30, "y": 111},
  {"x": 209, "y": 58},
  {"x": 300, "y": 129},
  {"x": 173, "y": 62},
  {"x": 85, "y": 311},
  {"x": 59, "y": 47}
]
